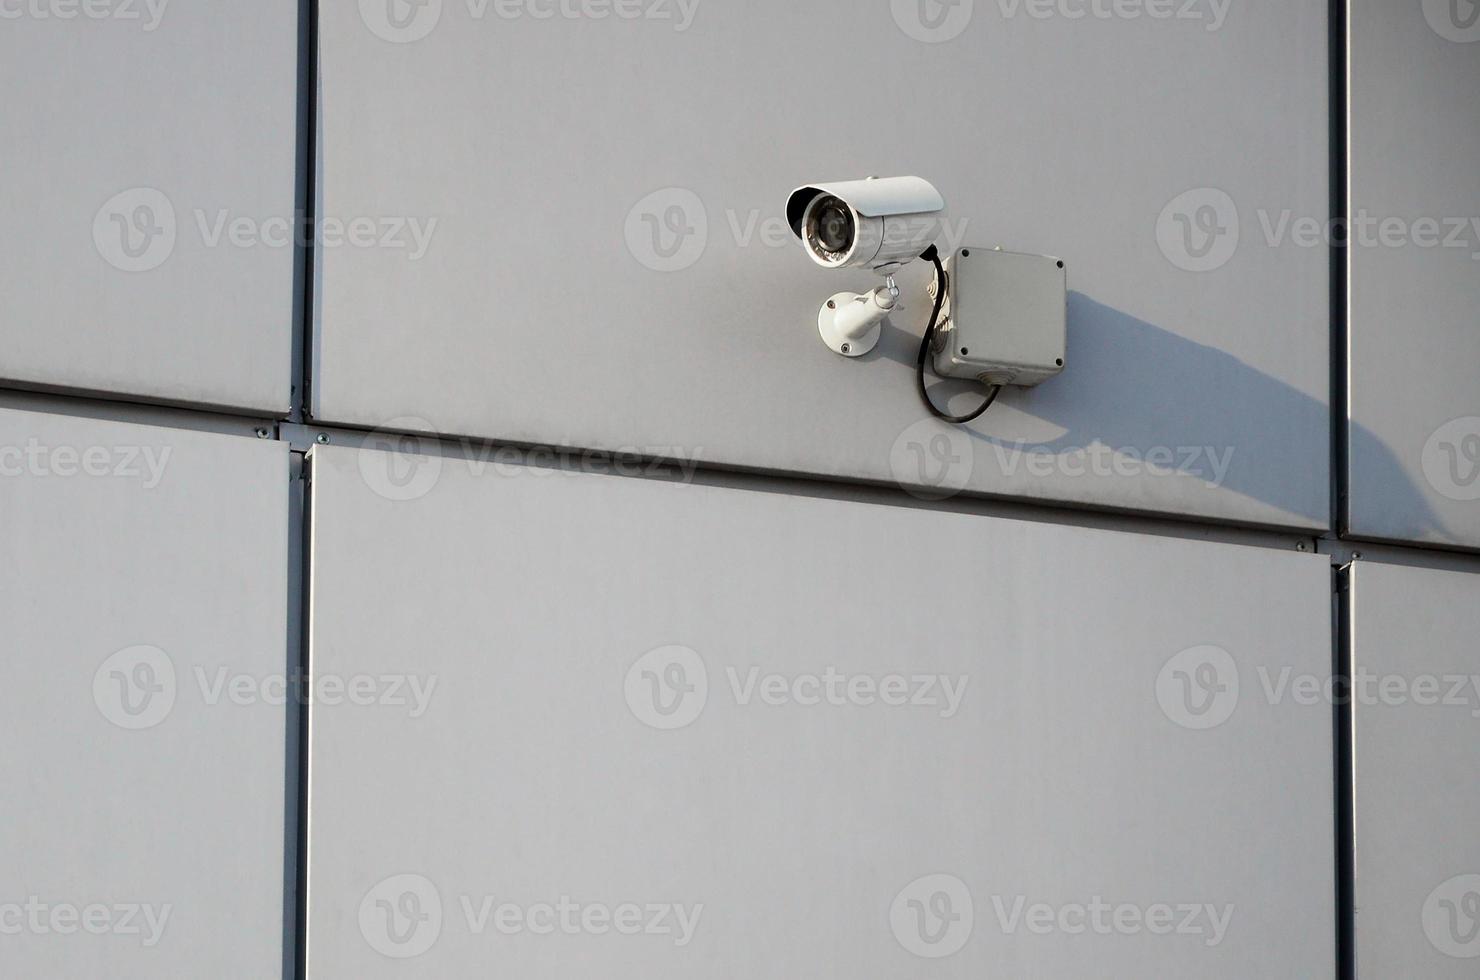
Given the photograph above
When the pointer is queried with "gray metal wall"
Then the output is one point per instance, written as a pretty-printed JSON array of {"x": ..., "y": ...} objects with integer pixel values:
[
  {"x": 1415, "y": 708},
  {"x": 145, "y": 597},
  {"x": 1414, "y": 440},
  {"x": 553, "y": 303},
  {"x": 559, "y": 225},
  {"x": 149, "y": 158},
  {"x": 665, "y": 731}
]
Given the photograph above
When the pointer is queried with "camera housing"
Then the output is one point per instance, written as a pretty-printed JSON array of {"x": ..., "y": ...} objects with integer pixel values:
[
  {"x": 881, "y": 223},
  {"x": 1004, "y": 318}
]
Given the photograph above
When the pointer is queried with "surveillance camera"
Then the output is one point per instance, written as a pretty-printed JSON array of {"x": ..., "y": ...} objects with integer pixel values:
[
  {"x": 998, "y": 317},
  {"x": 878, "y": 223}
]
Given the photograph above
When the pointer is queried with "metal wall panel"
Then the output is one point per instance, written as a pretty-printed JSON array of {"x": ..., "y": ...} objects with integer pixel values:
[
  {"x": 583, "y": 697},
  {"x": 1415, "y": 282},
  {"x": 581, "y": 208},
  {"x": 143, "y": 804},
  {"x": 149, "y": 160},
  {"x": 1416, "y": 702}
]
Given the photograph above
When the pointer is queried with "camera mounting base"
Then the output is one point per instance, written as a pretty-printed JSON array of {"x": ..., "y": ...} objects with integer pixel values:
[{"x": 850, "y": 322}]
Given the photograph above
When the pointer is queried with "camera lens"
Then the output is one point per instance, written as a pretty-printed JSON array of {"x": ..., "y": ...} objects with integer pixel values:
[{"x": 831, "y": 226}]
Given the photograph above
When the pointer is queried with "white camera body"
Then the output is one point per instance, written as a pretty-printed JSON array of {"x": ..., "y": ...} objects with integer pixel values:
[{"x": 880, "y": 223}]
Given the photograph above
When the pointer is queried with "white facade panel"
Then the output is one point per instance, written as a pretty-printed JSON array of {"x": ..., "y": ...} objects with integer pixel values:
[
  {"x": 1415, "y": 272},
  {"x": 584, "y": 243},
  {"x": 143, "y": 582},
  {"x": 820, "y": 738},
  {"x": 149, "y": 159},
  {"x": 1416, "y": 701}
]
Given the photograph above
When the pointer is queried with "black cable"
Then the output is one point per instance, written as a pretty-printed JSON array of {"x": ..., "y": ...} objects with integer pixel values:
[{"x": 933, "y": 254}]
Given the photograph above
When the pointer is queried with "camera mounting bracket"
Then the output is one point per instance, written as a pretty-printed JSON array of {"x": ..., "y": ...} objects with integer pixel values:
[{"x": 850, "y": 322}]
